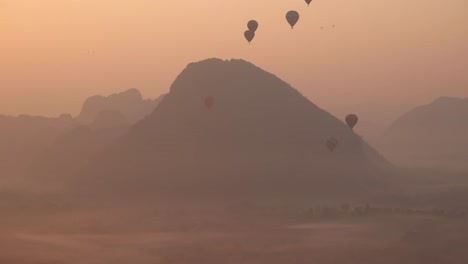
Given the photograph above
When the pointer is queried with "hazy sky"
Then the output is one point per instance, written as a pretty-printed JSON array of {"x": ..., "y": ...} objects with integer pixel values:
[{"x": 392, "y": 52}]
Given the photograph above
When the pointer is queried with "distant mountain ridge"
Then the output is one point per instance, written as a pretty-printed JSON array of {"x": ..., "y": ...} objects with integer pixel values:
[
  {"x": 260, "y": 136},
  {"x": 129, "y": 103},
  {"x": 444, "y": 113},
  {"x": 33, "y": 144},
  {"x": 430, "y": 135},
  {"x": 22, "y": 138},
  {"x": 101, "y": 121}
]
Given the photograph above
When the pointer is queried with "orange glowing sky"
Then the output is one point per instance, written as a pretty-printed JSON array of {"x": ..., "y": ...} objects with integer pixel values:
[{"x": 393, "y": 52}]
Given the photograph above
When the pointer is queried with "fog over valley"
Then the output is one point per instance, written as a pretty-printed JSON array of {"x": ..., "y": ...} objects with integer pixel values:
[{"x": 329, "y": 132}]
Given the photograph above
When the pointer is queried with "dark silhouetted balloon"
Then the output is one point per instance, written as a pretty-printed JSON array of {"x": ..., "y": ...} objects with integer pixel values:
[
  {"x": 249, "y": 35},
  {"x": 308, "y": 2},
  {"x": 252, "y": 25},
  {"x": 292, "y": 17},
  {"x": 351, "y": 120},
  {"x": 332, "y": 143},
  {"x": 209, "y": 102}
]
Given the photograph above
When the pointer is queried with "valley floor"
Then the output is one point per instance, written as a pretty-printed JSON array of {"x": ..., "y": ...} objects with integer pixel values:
[{"x": 42, "y": 229}]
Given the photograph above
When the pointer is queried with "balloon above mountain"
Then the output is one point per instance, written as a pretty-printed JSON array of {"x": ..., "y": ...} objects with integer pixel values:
[
  {"x": 252, "y": 25},
  {"x": 249, "y": 35},
  {"x": 209, "y": 102},
  {"x": 351, "y": 120},
  {"x": 332, "y": 143},
  {"x": 292, "y": 17},
  {"x": 308, "y": 2}
]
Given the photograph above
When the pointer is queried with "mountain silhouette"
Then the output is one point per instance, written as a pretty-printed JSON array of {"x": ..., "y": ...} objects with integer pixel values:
[
  {"x": 130, "y": 103},
  {"x": 72, "y": 149},
  {"x": 444, "y": 113},
  {"x": 37, "y": 146},
  {"x": 22, "y": 138},
  {"x": 109, "y": 119},
  {"x": 430, "y": 135},
  {"x": 374, "y": 118},
  {"x": 260, "y": 136}
]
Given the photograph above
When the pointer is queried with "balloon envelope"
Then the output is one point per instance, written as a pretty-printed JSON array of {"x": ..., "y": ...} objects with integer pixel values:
[
  {"x": 292, "y": 17},
  {"x": 249, "y": 35},
  {"x": 252, "y": 25},
  {"x": 332, "y": 143},
  {"x": 209, "y": 102},
  {"x": 308, "y": 2},
  {"x": 351, "y": 120}
]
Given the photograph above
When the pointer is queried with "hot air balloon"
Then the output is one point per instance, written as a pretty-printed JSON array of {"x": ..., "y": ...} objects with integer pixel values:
[
  {"x": 249, "y": 35},
  {"x": 209, "y": 102},
  {"x": 252, "y": 25},
  {"x": 332, "y": 143},
  {"x": 351, "y": 120},
  {"x": 308, "y": 2},
  {"x": 292, "y": 17}
]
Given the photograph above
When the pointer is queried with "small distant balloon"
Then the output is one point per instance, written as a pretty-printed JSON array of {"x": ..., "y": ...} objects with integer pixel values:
[
  {"x": 332, "y": 143},
  {"x": 249, "y": 35},
  {"x": 292, "y": 17},
  {"x": 209, "y": 102},
  {"x": 308, "y": 2},
  {"x": 351, "y": 120},
  {"x": 252, "y": 25}
]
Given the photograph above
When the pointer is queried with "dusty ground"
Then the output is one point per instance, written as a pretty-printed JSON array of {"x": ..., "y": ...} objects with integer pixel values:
[
  {"x": 44, "y": 228},
  {"x": 123, "y": 236}
]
